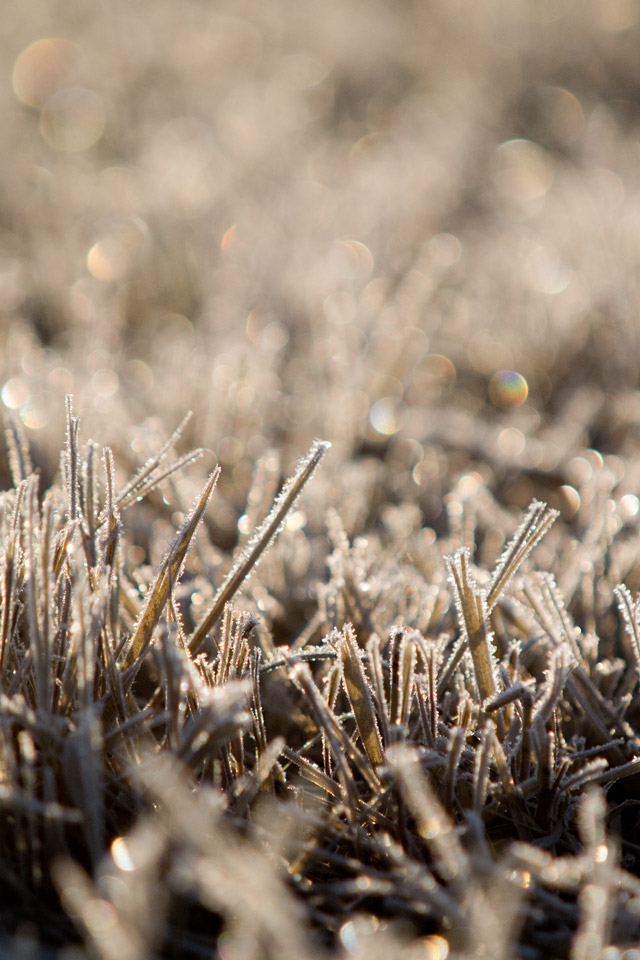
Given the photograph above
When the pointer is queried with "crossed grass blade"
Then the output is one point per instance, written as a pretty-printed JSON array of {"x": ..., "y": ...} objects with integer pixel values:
[
  {"x": 534, "y": 525},
  {"x": 168, "y": 574},
  {"x": 151, "y": 473},
  {"x": 259, "y": 542}
]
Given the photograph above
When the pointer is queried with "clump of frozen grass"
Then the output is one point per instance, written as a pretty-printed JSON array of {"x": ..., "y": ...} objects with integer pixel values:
[{"x": 177, "y": 786}]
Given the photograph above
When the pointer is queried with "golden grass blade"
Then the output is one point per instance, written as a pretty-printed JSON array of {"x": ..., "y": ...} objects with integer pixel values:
[
  {"x": 169, "y": 572},
  {"x": 259, "y": 542},
  {"x": 473, "y": 617},
  {"x": 359, "y": 693},
  {"x": 377, "y": 688}
]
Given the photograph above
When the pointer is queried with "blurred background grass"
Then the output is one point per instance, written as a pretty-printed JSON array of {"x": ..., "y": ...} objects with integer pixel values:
[{"x": 412, "y": 229}]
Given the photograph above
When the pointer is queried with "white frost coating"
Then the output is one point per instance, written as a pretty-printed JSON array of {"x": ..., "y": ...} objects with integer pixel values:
[
  {"x": 283, "y": 503},
  {"x": 473, "y": 616},
  {"x": 532, "y": 528},
  {"x": 560, "y": 666},
  {"x": 149, "y": 476},
  {"x": 630, "y": 610},
  {"x": 557, "y": 621},
  {"x": 261, "y": 539}
]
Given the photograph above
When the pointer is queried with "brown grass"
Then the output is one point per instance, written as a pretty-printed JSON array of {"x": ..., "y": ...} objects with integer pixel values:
[{"x": 388, "y": 708}]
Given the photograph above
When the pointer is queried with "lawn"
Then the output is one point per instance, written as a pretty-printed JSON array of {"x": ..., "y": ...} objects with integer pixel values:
[{"x": 320, "y": 509}]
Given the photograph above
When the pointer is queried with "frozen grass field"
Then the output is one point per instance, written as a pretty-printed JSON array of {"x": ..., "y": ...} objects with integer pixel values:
[{"x": 320, "y": 516}]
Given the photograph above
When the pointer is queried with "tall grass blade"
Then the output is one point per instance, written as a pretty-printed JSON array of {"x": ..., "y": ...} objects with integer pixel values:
[{"x": 259, "y": 542}]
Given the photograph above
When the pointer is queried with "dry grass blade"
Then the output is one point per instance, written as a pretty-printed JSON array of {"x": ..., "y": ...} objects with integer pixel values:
[
  {"x": 158, "y": 477},
  {"x": 629, "y": 608},
  {"x": 611, "y": 774},
  {"x": 378, "y": 691},
  {"x": 454, "y": 748},
  {"x": 560, "y": 666},
  {"x": 535, "y": 523},
  {"x": 543, "y": 597},
  {"x": 359, "y": 694},
  {"x": 481, "y": 768},
  {"x": 111, "y": 515},
  {"x": 223, "y": 713},
  {"x": 89, "y": 502},
  {"x": 341, "y": 746},
  {"x": 427, "y": 688},
  {"x": 312, "y": 773},
  {"x": 37, "y": 600},
  {"x": 71, "y": 461},
  {"x": 149, "y": 475},
  {"x": 473, "y": 615},
  {"x": 18, "y": 450},
  {"x": 406, "y": 679},
  {"x": 169, "y": 572},
  {"x": 247, "y": 789},
  {"x": 259, "y": 542}
]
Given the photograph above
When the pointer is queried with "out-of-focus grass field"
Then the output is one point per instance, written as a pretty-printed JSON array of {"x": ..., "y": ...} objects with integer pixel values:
[
  {"x": 411, "y": 229},
  {"x": 338, "y": 221}
]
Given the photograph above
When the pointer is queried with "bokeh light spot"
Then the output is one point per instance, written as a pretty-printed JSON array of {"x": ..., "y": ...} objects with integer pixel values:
[
  {"x": 507, "y": 388},
  {"x": 109, "y": 258},
  {"x": 100, "y": 916},
  {"x": 562, "y": 114},
  {"x": 230, "y": 449},
  {"x": 351, "y": 259},
  {"x": 296, "y": 520},
  {"x": 435, "y": 947},
  {"x": 300, "y": 71},
  {"x": 525, "y": 171},
  {"x": 571, "y": 499},
  {"x": 355, "y": 934},
  {"x": 105, "y": 383},
  {"x": 139, "y": 374},
  {"x": 61, "y": 380},
  {"x": 36, "y": 412},
  {"x": 469, "y": 485},
  {"x": 42, "y": 68},
  {"x": 511, "y": 442},
  {"x": 630, "y": 505},
  {"x": 14, "y": 393},
  {"x": 547, "y": 272},
  {"x": 384, "y": 416},
  {"x": 72, "y": 119},
  {"x": 99, "y": 264},
  {"x": 231, "y": 239},
  {"x": 433, "y": 374},
  {"x": 120, "y": 849},
  {"x": 579, "y": 471},
  {"x": 184, "y": 166}
]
